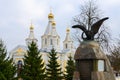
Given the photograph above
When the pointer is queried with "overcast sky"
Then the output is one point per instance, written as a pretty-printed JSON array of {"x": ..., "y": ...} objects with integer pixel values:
[{"x": 16, "y": 16}]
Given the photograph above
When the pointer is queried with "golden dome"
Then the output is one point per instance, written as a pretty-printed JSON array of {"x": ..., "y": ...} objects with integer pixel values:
[
  {"x": 68, "y": 30},
  {"x": 50, "y": 15},
  {"x": 53, "y": 23},
  {"x": 31, "y": 27}
]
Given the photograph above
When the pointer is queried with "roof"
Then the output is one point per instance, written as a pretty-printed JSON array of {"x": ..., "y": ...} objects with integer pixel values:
[{"x": 22, "y": 47}]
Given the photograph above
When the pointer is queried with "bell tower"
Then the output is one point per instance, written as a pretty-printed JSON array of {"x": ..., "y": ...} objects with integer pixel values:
[
  {"x": 31, "y": 36},
  {"x": 67, "y": 43},
  {"x": 50, "y": 38}
]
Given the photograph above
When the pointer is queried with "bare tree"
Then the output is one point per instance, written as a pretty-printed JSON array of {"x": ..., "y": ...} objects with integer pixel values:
[
  {"x": 89, "y": 14},
  {"x": 114, "y": 57}
]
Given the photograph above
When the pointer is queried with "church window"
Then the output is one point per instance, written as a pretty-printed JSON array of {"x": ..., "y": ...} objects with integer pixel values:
[
  {"x": 45, "y": 41},
  {"x": 57, "y": 41},
  {"x": 66, "y": 46},
  {"x": 51, "y": 43},
  {"x": 19, "y": 64}
]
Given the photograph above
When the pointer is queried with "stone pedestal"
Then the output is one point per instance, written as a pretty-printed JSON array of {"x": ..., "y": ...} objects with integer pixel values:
[
  {"x": 20, "y": 79},
  {"x": 92, "y": 63},
  {"x": 76, "y": 75}
]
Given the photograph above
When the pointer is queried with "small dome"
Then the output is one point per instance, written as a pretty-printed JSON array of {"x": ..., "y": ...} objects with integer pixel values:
[
  {"x": 53, "y": 23},
  {"x": 68, "y": 30},
  {"x": 50, "y": 15},
  {"x": 31, "y": 27}
]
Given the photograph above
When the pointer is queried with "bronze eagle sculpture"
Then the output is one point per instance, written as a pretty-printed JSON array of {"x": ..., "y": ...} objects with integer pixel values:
[{"x": 94, "y": 29}]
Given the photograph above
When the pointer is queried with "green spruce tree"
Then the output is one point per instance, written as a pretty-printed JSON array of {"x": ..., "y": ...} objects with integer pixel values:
[
  {"x": 70, "y": 68},
  {"x": 7, "y": 69},
  {"x": 53, "y": 68},
  {"x": 34, "y": 68}
]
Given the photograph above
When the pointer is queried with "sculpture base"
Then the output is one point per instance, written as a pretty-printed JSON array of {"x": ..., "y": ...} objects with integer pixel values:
[{"x": 92, "y": 63}]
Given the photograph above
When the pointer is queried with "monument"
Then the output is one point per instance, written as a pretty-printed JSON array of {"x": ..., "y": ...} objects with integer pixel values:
[{"x": 91, "y": 62}]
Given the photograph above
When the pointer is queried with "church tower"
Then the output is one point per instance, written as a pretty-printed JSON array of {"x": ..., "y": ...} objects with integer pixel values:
[
  {"x": 31, "y": 36},
  {"x": 50, "y": 38},
  {"x": 67, "y": 43}
]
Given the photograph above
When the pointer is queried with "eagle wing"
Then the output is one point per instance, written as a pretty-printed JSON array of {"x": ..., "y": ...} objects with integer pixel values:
[
  {"x": 95, "y": 27},
  {"x": 80, "y": 27}
]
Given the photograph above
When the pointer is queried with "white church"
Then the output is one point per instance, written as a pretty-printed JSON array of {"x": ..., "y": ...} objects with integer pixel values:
[{"x": 50, "y": 39}]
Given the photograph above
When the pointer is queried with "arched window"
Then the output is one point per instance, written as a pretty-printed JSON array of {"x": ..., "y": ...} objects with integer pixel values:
[
  {"x": 19, "y": 67},
  {"x": 57, "y": 41},
  {"x": 19, "y": 64},
  {"x": 66, "y": 46},
  {"x": 45, "y": 41},
  {"x": 51, "y": 43}
]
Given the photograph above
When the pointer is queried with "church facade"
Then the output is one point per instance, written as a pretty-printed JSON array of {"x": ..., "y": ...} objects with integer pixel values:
[{"x": 50, "y": 39}]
